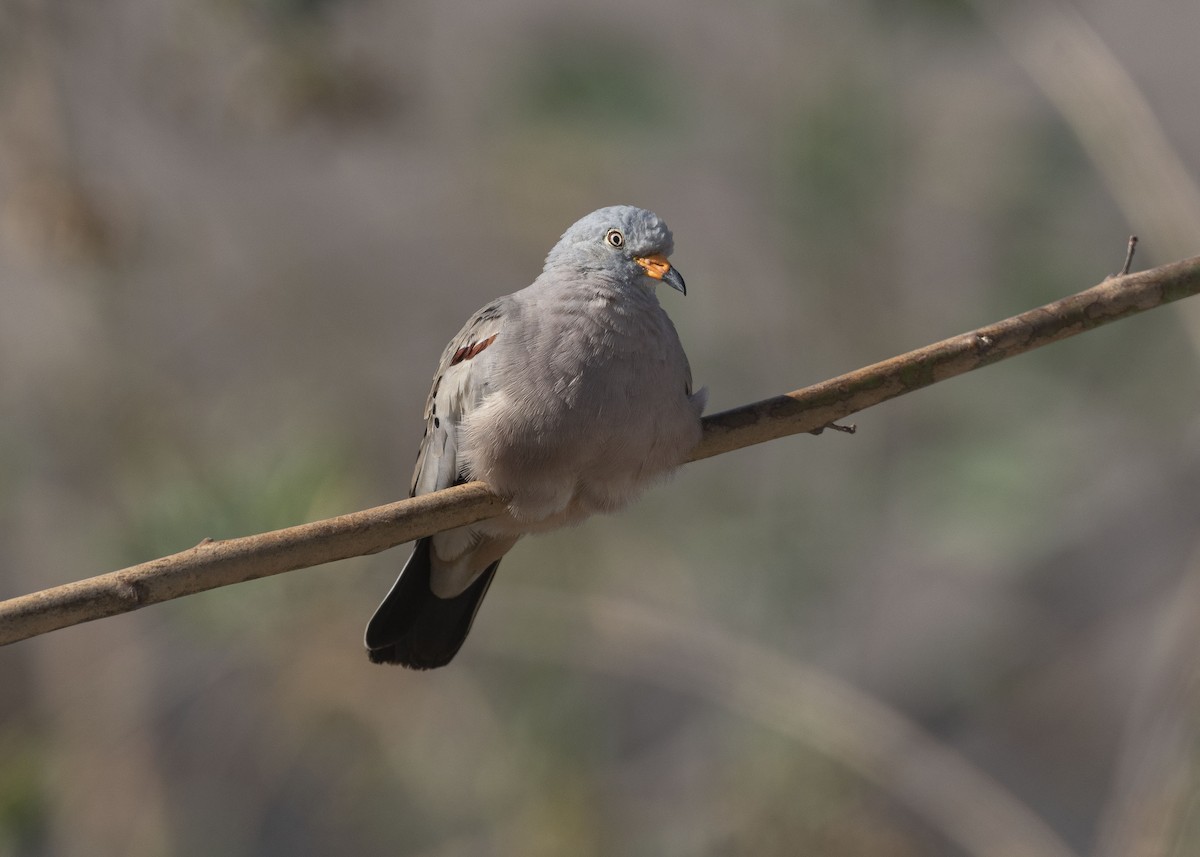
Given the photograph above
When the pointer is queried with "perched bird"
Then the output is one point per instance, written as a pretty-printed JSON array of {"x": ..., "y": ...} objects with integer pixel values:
[{"x": 567, "y": 398}]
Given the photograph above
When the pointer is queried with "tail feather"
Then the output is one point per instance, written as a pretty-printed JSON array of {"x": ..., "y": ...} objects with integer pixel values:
[{"x": 416, "y": 628}]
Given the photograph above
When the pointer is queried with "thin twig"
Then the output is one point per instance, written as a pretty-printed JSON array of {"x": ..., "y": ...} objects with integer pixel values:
[
  {"x": 1129, "y": 255},
  {"x": 220, "y": 563},
  {"x": 844, "y": 429}
]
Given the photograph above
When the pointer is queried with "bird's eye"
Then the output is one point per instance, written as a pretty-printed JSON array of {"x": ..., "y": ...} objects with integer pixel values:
[{"x": 615, "y": 238}]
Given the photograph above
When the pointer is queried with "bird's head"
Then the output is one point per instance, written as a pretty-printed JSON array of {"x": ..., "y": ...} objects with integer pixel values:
[{"x": 629, "y": 243}]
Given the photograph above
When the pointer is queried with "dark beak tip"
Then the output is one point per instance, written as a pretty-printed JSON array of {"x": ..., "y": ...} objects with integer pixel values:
[{"x": 673, "y": 279}]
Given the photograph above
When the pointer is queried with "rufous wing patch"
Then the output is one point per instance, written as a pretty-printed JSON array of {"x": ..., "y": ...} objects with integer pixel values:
[{"x": 471, "y": 349}]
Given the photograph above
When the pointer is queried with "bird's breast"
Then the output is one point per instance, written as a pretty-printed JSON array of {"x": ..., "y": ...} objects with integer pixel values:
[{"x": 589, "y": 414}]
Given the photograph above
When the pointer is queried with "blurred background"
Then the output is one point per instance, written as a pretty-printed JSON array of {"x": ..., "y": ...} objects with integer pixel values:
[{"x": 235, "y": 236}]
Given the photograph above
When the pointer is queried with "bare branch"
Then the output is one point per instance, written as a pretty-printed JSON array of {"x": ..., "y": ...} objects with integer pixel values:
[
  {"x": 219, "y": 563},
  {"x": 214, "y": 563},
  {"x": 817, "y": 406}
]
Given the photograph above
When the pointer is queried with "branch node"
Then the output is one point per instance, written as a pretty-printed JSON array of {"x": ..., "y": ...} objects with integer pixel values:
[{"x": 132, "y": 591}]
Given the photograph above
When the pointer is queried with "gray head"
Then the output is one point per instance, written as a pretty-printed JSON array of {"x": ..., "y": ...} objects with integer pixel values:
[{"x": 627, "y": 242}]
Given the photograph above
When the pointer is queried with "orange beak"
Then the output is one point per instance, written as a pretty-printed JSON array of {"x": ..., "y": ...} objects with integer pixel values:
[{"x": 659, "y": 268}]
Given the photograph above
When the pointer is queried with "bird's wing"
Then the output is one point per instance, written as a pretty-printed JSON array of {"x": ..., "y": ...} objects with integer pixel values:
[{"x": 459, "y": 387}]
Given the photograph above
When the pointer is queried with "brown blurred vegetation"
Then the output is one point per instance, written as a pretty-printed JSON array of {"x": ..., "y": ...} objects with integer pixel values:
[{"x": 234, "y": 237}]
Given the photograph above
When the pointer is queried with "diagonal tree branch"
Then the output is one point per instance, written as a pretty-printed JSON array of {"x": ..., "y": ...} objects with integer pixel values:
[{"x": 211, "y": 564}]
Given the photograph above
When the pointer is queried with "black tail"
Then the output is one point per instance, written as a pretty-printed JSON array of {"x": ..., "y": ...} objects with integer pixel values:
[{"x": 416, "y": 628}]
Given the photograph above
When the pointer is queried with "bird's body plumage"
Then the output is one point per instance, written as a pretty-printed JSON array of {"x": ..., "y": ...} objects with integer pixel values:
[{"x": 567, "y": 398}]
